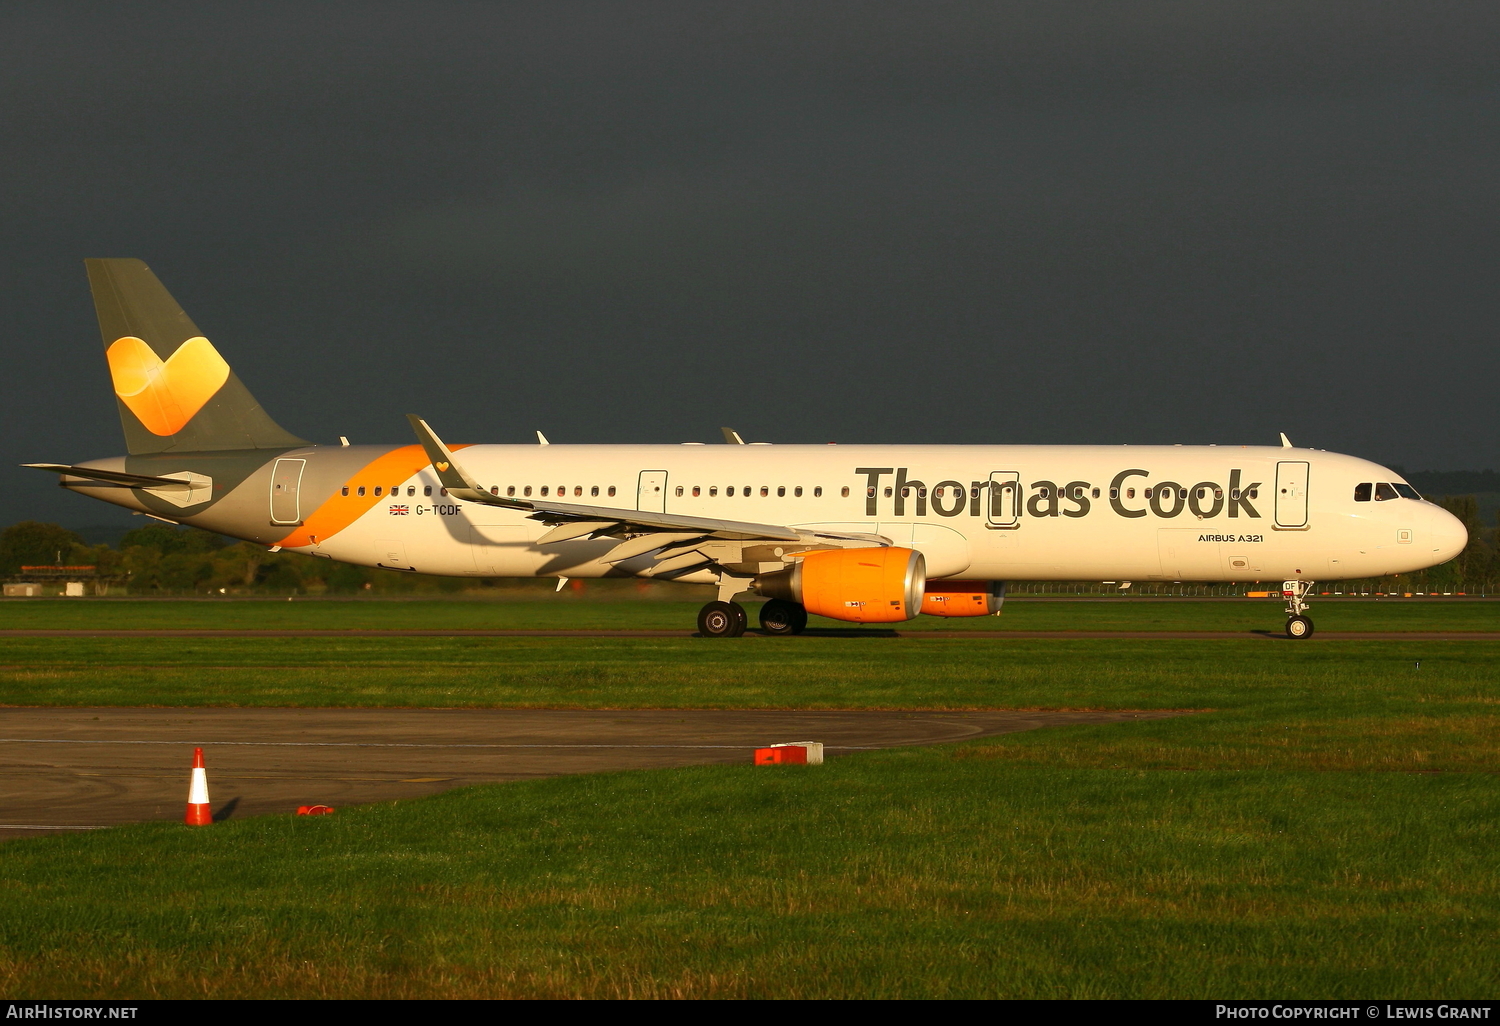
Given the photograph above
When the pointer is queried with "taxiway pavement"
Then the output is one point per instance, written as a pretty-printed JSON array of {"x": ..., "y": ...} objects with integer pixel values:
[{"x": 69, "y": 769}]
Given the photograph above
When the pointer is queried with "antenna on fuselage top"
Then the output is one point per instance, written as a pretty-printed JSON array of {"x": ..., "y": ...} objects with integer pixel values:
[
  {"x": 1286, "y": 443},
  {"x": 732, "y": 436}
]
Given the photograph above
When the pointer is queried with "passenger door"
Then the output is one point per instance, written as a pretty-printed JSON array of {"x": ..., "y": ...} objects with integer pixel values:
[
  {"x": 1005, "y": 500},
  {"x": 286, "y": 479},
  {"x": 651, "y": 491},
  {"x": 1291, "y": 493}
]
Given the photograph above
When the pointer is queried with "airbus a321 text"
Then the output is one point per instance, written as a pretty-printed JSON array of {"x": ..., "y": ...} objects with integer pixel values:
[{"x": 867, "y": 534}]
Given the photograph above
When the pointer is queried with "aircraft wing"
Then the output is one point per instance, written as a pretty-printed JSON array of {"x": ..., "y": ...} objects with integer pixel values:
[{"x": 675, "y": 537}]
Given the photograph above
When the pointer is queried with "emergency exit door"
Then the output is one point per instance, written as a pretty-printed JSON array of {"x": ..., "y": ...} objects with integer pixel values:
[
  {"x": 651, "y": 491},
  {"x": 1005, "y": 500},
  {"x": 1291, "y": 493}
]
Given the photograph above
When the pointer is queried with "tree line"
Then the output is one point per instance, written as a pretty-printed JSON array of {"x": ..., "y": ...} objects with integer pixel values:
[{"x": 161, "y": 559}]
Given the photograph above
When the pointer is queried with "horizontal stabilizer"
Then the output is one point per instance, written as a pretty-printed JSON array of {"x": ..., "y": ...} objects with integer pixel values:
[{"x": 113, "y": 476}]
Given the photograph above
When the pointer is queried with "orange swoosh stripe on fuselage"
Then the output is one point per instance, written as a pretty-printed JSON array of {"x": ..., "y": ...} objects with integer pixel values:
[{"x": 339, "y": 511}]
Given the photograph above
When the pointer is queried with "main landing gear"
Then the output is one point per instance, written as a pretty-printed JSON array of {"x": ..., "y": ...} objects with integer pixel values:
[
  {"x": 722, "y": 620},
  {"x": 1298, "y": 624},
  {"x": 729, "y": 619},
  {"x": 778, "y": 617}
]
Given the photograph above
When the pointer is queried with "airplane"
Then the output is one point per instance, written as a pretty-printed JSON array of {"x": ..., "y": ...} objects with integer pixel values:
[{"x": 857, "y": 533}]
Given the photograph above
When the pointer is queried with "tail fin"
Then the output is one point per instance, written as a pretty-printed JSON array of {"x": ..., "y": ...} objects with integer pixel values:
[{"x": 175, "y": 391}]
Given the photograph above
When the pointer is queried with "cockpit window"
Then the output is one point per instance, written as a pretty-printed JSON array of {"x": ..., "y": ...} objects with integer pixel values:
[
  {"x": 1406, "y": 491},
  {"x": 1362, "y": 492},
  {"x": 1384, "y": 491}
]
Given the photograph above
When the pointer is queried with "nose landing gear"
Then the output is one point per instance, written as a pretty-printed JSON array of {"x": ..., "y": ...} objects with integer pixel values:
[{"x": 1298, "y": 624}]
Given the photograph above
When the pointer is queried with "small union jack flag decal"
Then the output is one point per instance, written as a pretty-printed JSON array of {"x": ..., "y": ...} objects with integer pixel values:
[{"x": 400, "y": 511}]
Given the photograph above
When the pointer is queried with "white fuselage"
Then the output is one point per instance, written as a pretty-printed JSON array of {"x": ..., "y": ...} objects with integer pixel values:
[{"x": 1104, "y": 513}]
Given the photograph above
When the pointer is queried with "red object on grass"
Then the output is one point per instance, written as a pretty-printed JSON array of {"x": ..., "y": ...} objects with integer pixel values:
[{"x": 781, "y": 755}]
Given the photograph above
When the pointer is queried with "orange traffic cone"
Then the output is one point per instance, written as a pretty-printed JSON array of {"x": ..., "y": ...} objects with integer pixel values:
[{"x": 198, "y": 812}]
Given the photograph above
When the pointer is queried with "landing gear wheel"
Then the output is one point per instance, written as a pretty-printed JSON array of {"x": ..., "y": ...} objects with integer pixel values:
[
  {"x": 778, "y": 617},
  {"x": 1299, "y": 627},
  {"x": 722, "y": 620}
]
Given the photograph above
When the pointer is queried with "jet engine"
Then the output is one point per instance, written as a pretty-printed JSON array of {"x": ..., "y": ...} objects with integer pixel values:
[
  {"x": 873, "y": 585},
  {"x": 963, "y": 598}
]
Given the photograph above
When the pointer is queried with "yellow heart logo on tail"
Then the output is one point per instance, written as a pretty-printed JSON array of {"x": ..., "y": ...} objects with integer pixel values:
[
  {"x": 441, "y": 467},
  {"x": 164, "y": 396}
]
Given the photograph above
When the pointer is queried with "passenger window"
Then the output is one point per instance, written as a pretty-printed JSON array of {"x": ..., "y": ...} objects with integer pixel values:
[
  {"x": 1147, "y": 493},
  {"x": 1362, "y": 492},
  {"x": 510, "y": 489},
  {"x": 906, "y": 493},
  {"x": 544, "y": 489},
  {"x": 344, "y": 490},
  {"x": 1234, "y": 493},
  {"x": 869, "y": 492},
  {"x": 443, "y": 492},
  {"x": 594, "y": 490},
  {"x": 679, "y": 491},
  {"x": 427, "y": 490},
  {"x": 611, "y": 489},
  {"x": 713, "y": 490},
  {"x": 976, "y": 493},
  {"x": 781, "y": 491},
  {"x": 844, "y": 492},
  {"x": 818, "y": 492},
  {"x": 1114, "y": 493},
  {"x": 921, "y": 493},
  {"x": 764, "y": 491},
  {"x": 887, "y": 491},
  {"x": 411, "y": 490},
  {"x": 526, "y": 490},
  {"x": 1202, "y": 493},
  {"x": 697, "y": 491},
  {"x": 494, "y": 489},
  {"x": 729, "y": 491},
  {"x": 1255, "y": 493},
  {"x": 1130, "y": 493},
  {"x": 1406, "y": 491},
  {"x": 378, "y": 490},
  {"x": 1218, "y": 493},
  {"x": 797, "y": 492},
  {"x": 1384, "y": 491},
  {"x": 578, "y": 491}
]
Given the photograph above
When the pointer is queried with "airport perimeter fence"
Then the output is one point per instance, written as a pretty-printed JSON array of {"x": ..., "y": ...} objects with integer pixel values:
[{"x": 1385, "y": 588}]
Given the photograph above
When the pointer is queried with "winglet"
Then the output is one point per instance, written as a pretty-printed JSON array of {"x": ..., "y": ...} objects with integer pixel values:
[
  {"x": 731, "y": 436},
  {"x": 1286, "y": 443},
  {"x": 454, "y": 478}
]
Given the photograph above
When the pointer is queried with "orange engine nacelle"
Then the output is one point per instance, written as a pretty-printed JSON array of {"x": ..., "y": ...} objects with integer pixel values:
[
  {"x": 859, "y": 585},
  {"x": 963, "y": 598}
]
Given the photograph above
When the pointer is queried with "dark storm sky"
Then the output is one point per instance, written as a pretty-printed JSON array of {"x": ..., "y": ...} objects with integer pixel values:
[{"x": 1004, "y": 222}]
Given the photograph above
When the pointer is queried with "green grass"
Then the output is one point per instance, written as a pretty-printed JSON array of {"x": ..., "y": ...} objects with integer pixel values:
[
  {"x": 917, "y": 873},
  {"x": 573, "y": 612},
  {"x": 1325, "y": 827}
]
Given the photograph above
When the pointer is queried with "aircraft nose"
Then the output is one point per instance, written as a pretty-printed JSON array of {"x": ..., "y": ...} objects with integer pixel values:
[{"x": 1447, "y": 533}]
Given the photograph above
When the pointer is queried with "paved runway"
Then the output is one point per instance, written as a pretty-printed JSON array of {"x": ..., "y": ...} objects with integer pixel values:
[
  {"x": 79, "y": 768},
  {"x": 835, "y": 632}
]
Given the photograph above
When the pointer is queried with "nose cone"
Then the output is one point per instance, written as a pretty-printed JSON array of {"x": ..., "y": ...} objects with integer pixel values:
[{"x": 1446, "y": 535}]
